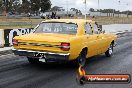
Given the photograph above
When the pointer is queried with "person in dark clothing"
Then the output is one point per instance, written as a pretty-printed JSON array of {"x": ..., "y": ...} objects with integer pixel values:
[{"x": 53, "y": 16}]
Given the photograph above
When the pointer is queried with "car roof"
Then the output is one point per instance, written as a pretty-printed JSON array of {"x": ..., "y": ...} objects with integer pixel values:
[{"x": 69, "y": 20}]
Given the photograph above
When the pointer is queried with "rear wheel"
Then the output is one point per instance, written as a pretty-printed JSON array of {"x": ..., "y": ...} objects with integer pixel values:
[
  {"x": 81, "y": 60},
  {"x": 33, "y": 60},
  {"x": 109, "y": 52}
]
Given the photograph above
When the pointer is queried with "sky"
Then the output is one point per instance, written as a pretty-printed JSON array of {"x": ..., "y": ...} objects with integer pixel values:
[{"x": 103, "y": 4}]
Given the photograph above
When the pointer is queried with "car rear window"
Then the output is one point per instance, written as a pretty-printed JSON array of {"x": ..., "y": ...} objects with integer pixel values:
[{"x": 55, "y": 27}]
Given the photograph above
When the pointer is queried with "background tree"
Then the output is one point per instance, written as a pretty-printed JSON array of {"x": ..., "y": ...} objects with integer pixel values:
[
  {"x": 16, "y": 6},
  {"x": 0, "y": 3},
  {"x": 7, "y": 5},
  {"x": 91, "y": 10},
  {"x": 45, "y": 5},
  {"x": 0, "y": 6},
  {"x": 25, "y": 7},
  {"x": 78, "y": 12},
  {"x": 35, "y": 5},
  {"x": 42, "y": 5}
]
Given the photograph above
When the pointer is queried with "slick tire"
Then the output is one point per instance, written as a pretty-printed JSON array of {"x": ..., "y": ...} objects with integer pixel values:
[{"x": 81, "y": 60}]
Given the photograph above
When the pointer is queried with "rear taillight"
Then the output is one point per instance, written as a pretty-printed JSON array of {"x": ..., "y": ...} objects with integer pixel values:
[
  {"x": 15, "y": 42},
  {"x": 65, "y": 46}
]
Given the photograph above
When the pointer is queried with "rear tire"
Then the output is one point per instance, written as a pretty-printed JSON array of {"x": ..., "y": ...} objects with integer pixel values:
[
  {"x": 109, "y": 52},
  {"x": 81, "y": 60},
  {"x": 33, "y": 60}
]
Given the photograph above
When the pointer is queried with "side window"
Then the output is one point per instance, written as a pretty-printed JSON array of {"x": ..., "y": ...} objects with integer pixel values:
[
  {"x": 88, "y": 28},
  {"x": 96, "y": 31}
]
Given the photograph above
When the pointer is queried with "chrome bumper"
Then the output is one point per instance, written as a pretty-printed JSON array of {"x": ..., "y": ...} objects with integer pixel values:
[{"x": 47, "y": 55}]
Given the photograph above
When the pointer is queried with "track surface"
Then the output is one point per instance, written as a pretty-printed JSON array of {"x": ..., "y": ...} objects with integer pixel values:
[{"x": 16, "y": 72}]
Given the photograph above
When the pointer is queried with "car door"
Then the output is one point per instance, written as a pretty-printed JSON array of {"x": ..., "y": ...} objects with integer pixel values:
[
  {"x": 100, "y": 39},
  {"x": 91, "y": 40}
]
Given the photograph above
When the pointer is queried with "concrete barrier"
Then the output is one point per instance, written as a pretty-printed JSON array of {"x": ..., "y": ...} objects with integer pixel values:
[
  {"x": 6, "y": 35},
  {"x": 117, "y": 28},
  {"x": 2, "y": 42}
]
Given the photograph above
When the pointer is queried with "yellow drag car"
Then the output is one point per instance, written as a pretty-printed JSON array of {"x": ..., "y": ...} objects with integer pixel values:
[{"x": 64, "y": 40}]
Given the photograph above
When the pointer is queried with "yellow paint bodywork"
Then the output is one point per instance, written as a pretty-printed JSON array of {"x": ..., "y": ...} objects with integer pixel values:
[{"x": 95, "y": 43}]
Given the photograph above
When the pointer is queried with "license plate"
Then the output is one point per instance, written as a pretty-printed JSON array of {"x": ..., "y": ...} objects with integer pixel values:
[
  {"x": 42, "y": 60},
  {"x": 40, "y": 55}
]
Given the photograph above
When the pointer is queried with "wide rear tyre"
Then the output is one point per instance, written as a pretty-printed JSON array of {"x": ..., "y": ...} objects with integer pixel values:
[
  {"x": 81, "y": 59},
  {"x": 109, "y": 52}
]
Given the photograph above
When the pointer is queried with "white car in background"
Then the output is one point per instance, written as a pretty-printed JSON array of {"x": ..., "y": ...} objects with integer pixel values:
[{"x": 43, "y": 15}]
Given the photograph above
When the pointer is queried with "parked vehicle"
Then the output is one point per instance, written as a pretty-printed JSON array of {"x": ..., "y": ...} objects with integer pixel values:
[{"x": 43, "y": 16}]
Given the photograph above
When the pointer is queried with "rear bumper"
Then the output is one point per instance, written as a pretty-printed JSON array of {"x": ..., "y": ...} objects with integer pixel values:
[{"x": 47, "y": 55}]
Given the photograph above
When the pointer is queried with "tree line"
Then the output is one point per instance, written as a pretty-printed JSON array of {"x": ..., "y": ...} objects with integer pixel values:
[
  {"x": 32, "y": 6},
  {"x": 111, "y": 11}
]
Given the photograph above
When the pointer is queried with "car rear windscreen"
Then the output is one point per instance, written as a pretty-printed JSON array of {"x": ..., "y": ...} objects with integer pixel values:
[{"x": 54, "y": 27}]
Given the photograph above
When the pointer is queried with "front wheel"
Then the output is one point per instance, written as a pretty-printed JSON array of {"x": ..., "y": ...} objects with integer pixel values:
[{"x": 109, "y": 52}]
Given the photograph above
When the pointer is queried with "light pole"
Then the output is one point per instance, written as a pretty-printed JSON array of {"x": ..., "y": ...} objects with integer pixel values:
[
  {"x": 127, "y": 11},
  {"x": 99, "y": 8},
  {"x": 67, "y": 7},
  {"x": 119, "y": 8},
  {"x": 85, "y": 3},
  {"x": 98, "y": 5}
]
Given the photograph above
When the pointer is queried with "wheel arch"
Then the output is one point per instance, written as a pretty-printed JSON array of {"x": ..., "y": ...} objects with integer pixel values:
[
  {"x": 113, "y": 42},
  {"x": 85, "y": 49}
]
